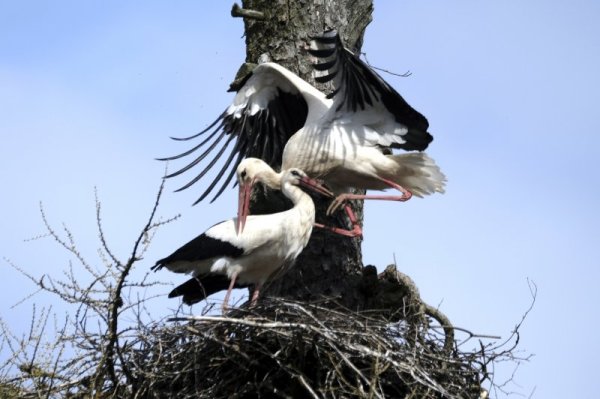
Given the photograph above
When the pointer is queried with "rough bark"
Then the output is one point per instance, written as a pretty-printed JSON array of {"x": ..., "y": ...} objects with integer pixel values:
[{"x": 330, "y": 265}]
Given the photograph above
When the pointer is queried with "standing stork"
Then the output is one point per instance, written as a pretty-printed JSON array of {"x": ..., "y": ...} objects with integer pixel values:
[
  {"x": 267, "y": 243},
  {"x": 345, "y": 138}
]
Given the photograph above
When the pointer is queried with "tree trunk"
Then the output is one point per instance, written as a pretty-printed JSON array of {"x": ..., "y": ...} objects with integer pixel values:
[{"x": 331, "y": 265}]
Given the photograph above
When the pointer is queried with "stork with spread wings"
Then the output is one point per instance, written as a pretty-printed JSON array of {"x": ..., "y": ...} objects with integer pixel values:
[{"x": 345, "y": 138}]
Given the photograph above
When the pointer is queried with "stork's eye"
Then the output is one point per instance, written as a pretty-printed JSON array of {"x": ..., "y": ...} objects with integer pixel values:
[
  {"x": 243, "y": 174},
  {"x": 295, "y": 173}
]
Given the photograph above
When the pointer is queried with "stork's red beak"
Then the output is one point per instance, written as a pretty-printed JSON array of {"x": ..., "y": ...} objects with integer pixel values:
[
  {"x": 315, "y": 186},
  {"x": 245, "y": 192}
]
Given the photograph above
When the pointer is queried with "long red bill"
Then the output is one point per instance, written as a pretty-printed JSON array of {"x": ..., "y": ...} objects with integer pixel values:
[
  {"x": 243, "y": 205},
  {"x": 315, "y": 186}
]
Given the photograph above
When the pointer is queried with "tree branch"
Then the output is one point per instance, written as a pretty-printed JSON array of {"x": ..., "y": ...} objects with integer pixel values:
[{"x": 239, "y": 12}]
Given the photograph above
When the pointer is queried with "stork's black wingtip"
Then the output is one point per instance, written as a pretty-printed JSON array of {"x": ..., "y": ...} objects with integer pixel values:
[
  {"x": 179, "y": 138},
  {"x": 422, "y": 145},
  {"x": 190, "y": 301},
  {"x": 327, "y": 33},
  {"x": 322, "y": 53},
  {"x": 324, "y": 66},
  {"x": 157, "y": 266},
  {"x": 325, "y": 78},
  {"x": 180, "y": 189},
  {"x": 170, "y": 175}
]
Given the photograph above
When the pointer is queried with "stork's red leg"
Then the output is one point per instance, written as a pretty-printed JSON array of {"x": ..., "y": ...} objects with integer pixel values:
[
  {"x": 226, "y": 300},
  {"x": 339, "y": 200},
  {"x": 356, "y": 229},
  {"x": 255, "y": 294}
]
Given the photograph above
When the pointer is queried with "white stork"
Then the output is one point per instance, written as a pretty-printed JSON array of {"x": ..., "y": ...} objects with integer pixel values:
[
  {"x": 267, "y": 243},
  {"x": 345, "y": 138}
]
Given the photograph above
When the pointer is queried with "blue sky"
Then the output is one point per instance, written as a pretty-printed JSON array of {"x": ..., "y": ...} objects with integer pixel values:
[{"x": 91, "y": 91}]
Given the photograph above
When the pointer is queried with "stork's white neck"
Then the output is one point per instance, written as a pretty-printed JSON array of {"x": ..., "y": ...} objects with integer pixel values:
[
  {"x": 271, "y": 178},
  {"x": 301, "y": 218},
  {"x": 299, "y": 198}
]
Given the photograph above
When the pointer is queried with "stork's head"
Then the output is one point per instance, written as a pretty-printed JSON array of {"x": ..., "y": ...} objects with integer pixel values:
[
  {"x": 248, "y": 172},
  {"x": 298, "y": 178}
]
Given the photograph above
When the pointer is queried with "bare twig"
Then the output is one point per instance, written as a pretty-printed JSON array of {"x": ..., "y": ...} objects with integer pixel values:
[
  {"x": 402, "y": 75},
  {"x": 97, "y": 336},
  {"x": 107, "y": 361}
]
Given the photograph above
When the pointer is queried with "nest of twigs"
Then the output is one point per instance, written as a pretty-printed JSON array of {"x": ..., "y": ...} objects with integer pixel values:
[{"x": 296, "y": 350}]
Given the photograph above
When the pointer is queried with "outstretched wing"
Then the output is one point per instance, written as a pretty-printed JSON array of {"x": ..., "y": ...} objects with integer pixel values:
[
  {"x": 358, "y": 88},
  {"x": 266, "y": 111}
]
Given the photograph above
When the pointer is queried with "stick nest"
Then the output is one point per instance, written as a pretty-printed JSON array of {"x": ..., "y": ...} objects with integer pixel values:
[{"x": 289, "y": 349}]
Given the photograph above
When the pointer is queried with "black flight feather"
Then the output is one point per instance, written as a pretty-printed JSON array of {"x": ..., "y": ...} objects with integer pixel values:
[
  {"x": 198, "y": 288},
  {"x": 193, "y": 149},
  {"x": 322, "y": 52},
  {"x": 323, "y": 66},
  {"x": 220, "y": 118},
  {"x": 362, "y": 86},
  {"x": 199, "y": 158},
  {"x": 208, "y": 167}
]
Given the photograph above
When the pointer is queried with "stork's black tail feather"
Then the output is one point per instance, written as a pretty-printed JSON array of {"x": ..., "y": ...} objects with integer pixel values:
[{"x": 198, "y": 288}]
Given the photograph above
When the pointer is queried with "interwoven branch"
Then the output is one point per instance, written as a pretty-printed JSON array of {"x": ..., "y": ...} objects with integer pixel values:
[{"x": 294, "y": 349}]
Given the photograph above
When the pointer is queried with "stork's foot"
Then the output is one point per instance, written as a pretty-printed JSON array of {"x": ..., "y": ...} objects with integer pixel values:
[
  {"x": 340, "y": 199},
  {"x": 406, "y": 195},
  {"x": 356, "y": 229},
  {"x": 355, "y": 232},
  {"x": 255, "y": 294},
  {"x": 336, "y": 203},
  {"x": 224, "y": 308}
]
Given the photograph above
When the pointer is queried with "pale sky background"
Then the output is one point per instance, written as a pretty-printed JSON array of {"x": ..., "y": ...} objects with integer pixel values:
[{"x": 91, "y": 91}]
